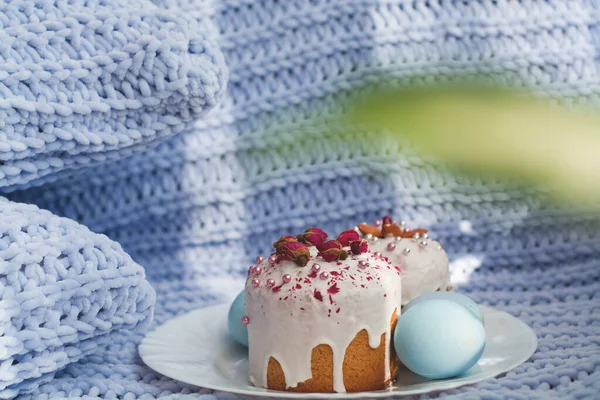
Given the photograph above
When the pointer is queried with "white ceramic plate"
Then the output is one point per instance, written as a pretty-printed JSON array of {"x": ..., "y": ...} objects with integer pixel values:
[{"x": 195, "y": 348}]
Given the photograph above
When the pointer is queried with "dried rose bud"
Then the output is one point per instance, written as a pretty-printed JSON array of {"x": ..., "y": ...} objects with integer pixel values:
[
  {"x": 366, "y": 229},
  {"x": 330, "y": 244},
  {"x": 331, "y": 251},
  {"x": 312, "y": 236},
  {"x": 359, "y": 247},
  {"x": 387, "y": 220},
  {"x": 333, "y": 255},
  {"x": 348, "y": 237},
  {"x": 294, "y": 251},
  {"x": 282, "y": 240}
]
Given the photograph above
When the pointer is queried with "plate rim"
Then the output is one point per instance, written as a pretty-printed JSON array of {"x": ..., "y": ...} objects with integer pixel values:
[{"x": 266, "y": 393}]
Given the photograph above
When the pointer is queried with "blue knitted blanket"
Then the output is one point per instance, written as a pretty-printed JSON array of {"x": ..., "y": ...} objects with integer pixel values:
[{"x": 196, "y": 210}]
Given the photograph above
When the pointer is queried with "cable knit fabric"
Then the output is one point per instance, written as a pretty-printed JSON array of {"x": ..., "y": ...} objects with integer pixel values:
[
  {"x": 64, "y": 291},
  {"x": 269, "y": 160},
  {"x": 83, "y": 82}
]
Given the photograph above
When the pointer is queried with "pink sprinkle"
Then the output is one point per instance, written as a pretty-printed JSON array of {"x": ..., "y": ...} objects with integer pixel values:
[
  {"x": 330, "y": 301},
  {"x": 318, "y": 295},
  {"x": 391, "y": 246},
  {"x": 397, "y": 268},
  {"x": 337, "y": 311},
  {"x": 378, "y": 223},
  {"x": 385, "y": 295},
  {"x": 245, "y": 320},
  {"x": 287, "y": 278},
  {"x": 298, "y": 286},
  {"x": 324, "y": 275},
  {"x": 302, "y": 308},
  {"x": 377, "y": 254},
  {"x": 277, "y": 288},
  {"x": 270, "y": 282},
  {"x": 260, "y": 259},
  {"x": 339, "y": 263},
  {"x": 333, "y": 289},
  {"x": 334, "y": 273},
  {"x": 363, "y": 264},
  {"x": 255, "y": 282},
  {"x": 312, "y": 274}
]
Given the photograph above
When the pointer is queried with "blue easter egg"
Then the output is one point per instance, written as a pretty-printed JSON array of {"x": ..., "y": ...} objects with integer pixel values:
[
  {"x": 461, "y": 299},
  {"x": 237, "y": 330},
  {"x": 439, "y": 339}
]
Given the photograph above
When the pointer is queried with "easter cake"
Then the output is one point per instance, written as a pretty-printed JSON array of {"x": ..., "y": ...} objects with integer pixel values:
[
  {"x": 423, "y": 261},
  {"x": 321, "y": 314}
]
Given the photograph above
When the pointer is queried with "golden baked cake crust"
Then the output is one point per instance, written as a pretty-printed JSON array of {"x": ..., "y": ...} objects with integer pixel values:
[{"x": 364, "y": 368}]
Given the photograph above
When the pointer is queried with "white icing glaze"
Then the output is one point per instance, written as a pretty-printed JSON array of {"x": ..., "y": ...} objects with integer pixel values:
[
  {"x": 289, "y": 320},
  {"x": 424, "y": 268}
]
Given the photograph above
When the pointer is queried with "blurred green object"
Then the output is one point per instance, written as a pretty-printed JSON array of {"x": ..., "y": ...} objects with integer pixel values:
[{"x": 489, "y": 130}]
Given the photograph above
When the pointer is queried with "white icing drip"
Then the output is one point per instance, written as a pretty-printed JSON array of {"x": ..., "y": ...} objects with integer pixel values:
[
  {"x": 424, "y": 268},
  {"x": 289, "y": 329}
]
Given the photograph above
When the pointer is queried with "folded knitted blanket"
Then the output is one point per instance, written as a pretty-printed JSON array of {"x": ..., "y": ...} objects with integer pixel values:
[
  {"x": 85, "y": 81},
  {"x": 64, "y": 292},
  {"x": 199, "y": 207}
]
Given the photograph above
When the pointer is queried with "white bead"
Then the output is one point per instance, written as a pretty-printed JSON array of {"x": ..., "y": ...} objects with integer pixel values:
[{"x": 406, "y": 250}]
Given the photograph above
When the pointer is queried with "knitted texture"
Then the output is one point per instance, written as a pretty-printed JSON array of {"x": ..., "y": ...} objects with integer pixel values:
[
  {"x": 83, "y": 82},
  {"x": 64, "y": 291},
  {"x": 198, "y": 208}
]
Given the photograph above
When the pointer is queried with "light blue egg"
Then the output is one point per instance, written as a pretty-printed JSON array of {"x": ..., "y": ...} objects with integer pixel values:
[
  {"x": 237, "y": 330},
  {"x": 439, "y": 339},
  {"x": 452, "y": 296}
]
